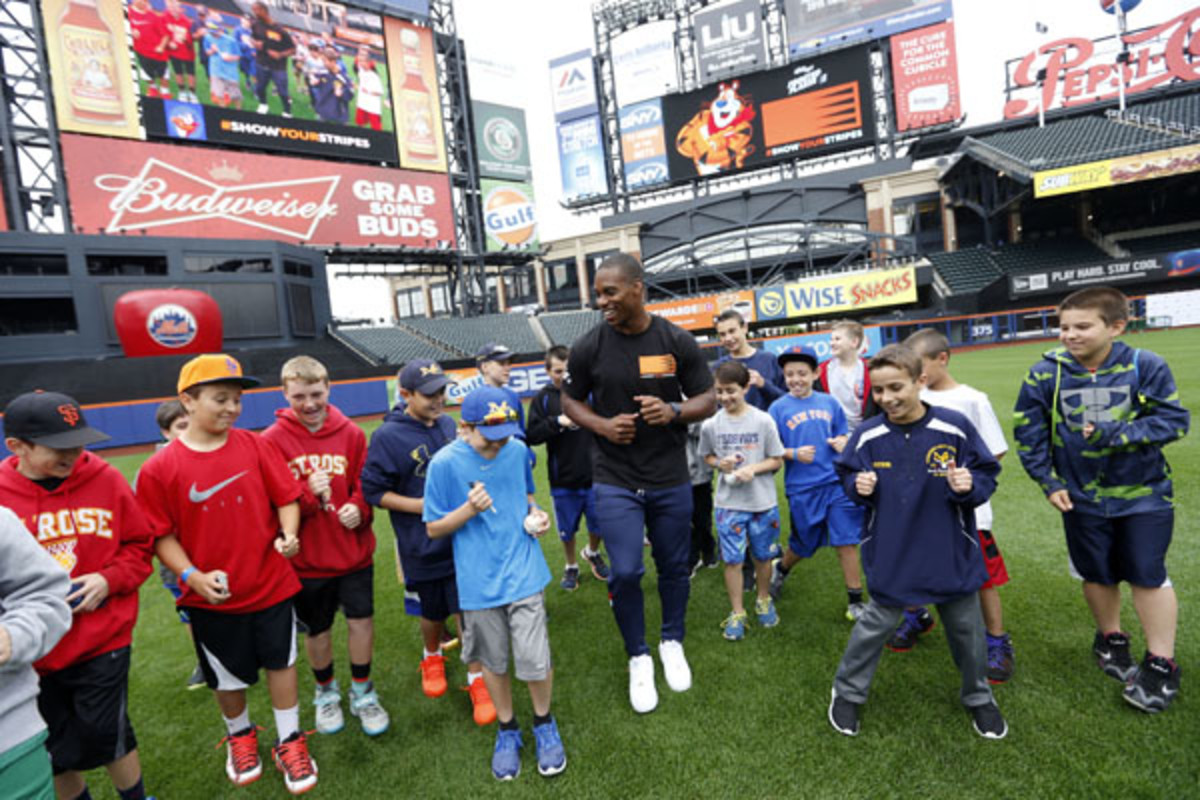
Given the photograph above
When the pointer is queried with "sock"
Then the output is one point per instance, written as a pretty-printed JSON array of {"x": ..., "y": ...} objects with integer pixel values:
[
  {"x": 539, "y": 720},
  {"x": 572, "y": 565},
  {"x": 323, "y": 675},
  {"x": 361, "y": 673},
  {"x": 85, "y": 795},
  {"x": 511, "y": 725},
  {"x": 588, "y": 552},
  {"x": 287, "y": 721},
  {"x": 238, "y": 723},
  {"x": 135, "y": 792},
  {"x": 471, "y": 676},
  {"x": 855, "y": 595},
  {"x": 996, "y": 639}
]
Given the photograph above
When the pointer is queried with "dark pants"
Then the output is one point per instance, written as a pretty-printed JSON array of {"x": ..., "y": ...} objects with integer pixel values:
[
  {"x": 664, "y": 516},
  {"x": 279, "y": 77},
  {"x": 703, "y": 545}
]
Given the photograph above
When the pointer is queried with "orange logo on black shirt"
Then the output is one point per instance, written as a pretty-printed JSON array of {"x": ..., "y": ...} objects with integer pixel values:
[{"x": 657, "y": 366}]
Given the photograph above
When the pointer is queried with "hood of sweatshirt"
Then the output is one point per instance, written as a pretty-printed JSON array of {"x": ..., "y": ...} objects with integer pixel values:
[
  {"x": 335, "y": 420},
  {"x": 86, "y": 468}
]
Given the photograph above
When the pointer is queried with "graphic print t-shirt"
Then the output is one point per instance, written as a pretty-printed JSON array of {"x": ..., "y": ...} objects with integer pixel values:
[{"x": 749, "y": 438}]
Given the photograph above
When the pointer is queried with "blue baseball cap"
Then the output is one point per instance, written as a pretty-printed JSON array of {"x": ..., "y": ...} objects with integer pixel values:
[
  {"x": 491, "y": 411},
  {"x": 799, "y": 353},
  {"x": 423, "y": 376},
  {"x": 493, "y": 352}
]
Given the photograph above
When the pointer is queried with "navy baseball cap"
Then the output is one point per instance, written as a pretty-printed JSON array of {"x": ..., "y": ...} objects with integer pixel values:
[
  {"x": 423, "y": 376},
  {"x": 50, "y": 419},
  {"x": 493, "y": 352},
  {"x": 799, "y": 353},
  {"x": 491, "y": 411}
]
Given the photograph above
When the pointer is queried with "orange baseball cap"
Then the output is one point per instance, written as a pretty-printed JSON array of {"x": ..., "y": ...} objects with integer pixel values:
[{"x": 214, "y": 368}]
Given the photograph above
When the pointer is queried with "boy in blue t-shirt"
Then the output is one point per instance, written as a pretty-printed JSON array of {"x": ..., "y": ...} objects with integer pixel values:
[
  {"x": 813, "y": 429},
  {"x": 480, "y": 490}
]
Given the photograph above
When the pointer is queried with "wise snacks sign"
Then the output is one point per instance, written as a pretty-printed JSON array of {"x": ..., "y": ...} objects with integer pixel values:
[{"x": 837, "y": 294}]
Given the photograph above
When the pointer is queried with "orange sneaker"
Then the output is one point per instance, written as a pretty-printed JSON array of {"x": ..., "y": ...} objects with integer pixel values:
[
  {"x": 433, "y": 675},
  {"x": 242, "y": 763},
  {"x": 485, "y": 712},
  {"x": 298, "y": 768}
]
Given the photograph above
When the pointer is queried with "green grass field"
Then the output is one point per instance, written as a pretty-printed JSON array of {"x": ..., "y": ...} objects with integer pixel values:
[{"x": 754, "y": 724}]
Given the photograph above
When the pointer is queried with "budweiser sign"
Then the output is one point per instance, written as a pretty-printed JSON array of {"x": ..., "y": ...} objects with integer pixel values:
[
  {"x": 1080, "y": 71},
  {"x": 127, "y": 187}
]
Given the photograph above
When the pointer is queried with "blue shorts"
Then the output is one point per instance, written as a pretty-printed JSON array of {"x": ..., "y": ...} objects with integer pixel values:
[
  {"x": 735, "y": 528},
  {"x": 570, "y": 507},
  {"x": 1109, "y": 550},
  {"x": 823, "y": 516}
]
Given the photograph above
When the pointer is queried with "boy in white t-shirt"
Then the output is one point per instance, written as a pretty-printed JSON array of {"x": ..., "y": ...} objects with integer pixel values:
[{"x": 942, "y": 390}]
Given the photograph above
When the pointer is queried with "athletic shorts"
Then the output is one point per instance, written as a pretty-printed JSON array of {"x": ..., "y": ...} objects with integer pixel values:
[
  {"x": 823, "y": 516},
  {"x": 1108, "y": 550},
  {"x": 997, "y": 571},
  {"x": 367, "y": 119},
  {"x": 25, "y": 770},
  {"x": 438, "y": 597},
  {"x": 183, "y": 66},
  {"x": 320, "y": 598},
  {"x": 489, "y": 631},
  {"x": 219, "y": 89},
  {"x": 570, "y": 507},
  {"x": 86, "y": 708},
  {"x": 737, "y": 529},
  {"x": 153, "y": 67},
  {"x": 232, "y": 648}
]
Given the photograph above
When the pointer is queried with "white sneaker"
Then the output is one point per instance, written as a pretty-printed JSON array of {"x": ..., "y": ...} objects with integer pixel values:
[
  {"x": 262, "y": 108},
  {"x": 366, "y": 707},
  {"x": 328, "y": 701},
  {"x": 643, "y": 695},
  {"x": 675, "y": 665}
]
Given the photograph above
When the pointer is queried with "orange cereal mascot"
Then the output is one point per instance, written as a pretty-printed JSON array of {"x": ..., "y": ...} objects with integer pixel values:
[{"x": 718, "y": 137}]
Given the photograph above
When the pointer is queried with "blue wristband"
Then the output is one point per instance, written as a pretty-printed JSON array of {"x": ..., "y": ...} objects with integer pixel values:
[{"x": 183, "y": 576}]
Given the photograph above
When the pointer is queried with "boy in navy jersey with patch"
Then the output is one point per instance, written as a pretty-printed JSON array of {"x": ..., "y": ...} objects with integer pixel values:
[
  {"x": 920, "y": 471},
  {"x": 325, "y": 452},
  {"x": 225, "y": 510}
]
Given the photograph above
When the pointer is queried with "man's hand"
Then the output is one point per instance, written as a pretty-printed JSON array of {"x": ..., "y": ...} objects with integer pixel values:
[
  {"x": 655, "y": 410},
  {"x": 621, "y": 428},
  {"x": 92, "y": 591},
  {"x": 350, "y": 516},
  {"x": 566, "y": 422},
  {"x": 1061, "y": 500},
  {"x": 959, "y": 478},
  {"x": 838, "y": 443},
  {"x": 864, "y": 482}
]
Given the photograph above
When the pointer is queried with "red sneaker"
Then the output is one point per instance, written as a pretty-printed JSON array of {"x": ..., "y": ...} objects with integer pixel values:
[
  {"x": 433, "y": 675},
  {"x": 485, "y": 712},
  {"x": 298, "y": 768},
  {"x": 242, "y": 763}
]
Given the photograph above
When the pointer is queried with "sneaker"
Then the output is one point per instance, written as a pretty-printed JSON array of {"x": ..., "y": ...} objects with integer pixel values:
[
  {"x": 599, "y": 566},
  {"x": 1155, "y": 684},
  {"x": 988, "y": 721},
  {"x": 365, "y": 706},
  {"x": 433, "y": 675},
  {"x": 292, "y": 759},
  {"x": 262, "y": 108},
  {"x": 1000, "y": 658},
  {"x": 551, "y": 757},
  {"x": 484, "y": 711},
  {"x": 764, "y": 607},
  {"x": 328, "y": 701},
  {"x": 506, "y": 758},
  {"x": 1112, "y": 654},
  {"x": 854, "y": 611},
  {"x": 242, "y": 763},
  {"x": 675, "y": 665},
  {"x": 196, "y": 679},
  {"x": 711, "y": 561},
  {"x": 643, "y": 695},
  {"x": 843, "y": 715},
  {"x": 912, "y": 625},
  {"x": 777, "y": 578},
  {"x": 695, "y": 570},
  {"x": 735, "y": 627},
  {"x": 570, "y": 579}
]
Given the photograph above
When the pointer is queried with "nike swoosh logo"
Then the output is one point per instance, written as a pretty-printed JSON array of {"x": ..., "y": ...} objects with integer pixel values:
[{"x": 199, "y": 497}]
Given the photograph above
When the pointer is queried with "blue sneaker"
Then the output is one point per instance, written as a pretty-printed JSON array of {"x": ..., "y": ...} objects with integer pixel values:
[
  {"x": 735, "y": 626},
  {"x": 506, "y": 758},
  {"x": 551, "y": 757},
  {"x": 768, "y": 617}
]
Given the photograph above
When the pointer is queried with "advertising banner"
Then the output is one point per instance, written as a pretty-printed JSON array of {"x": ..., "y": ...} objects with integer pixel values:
[
  {"x": 501, "y": 141},
  {"x": 573, "y": 86},
  {"x": 925, "y": 77},
  {"x": 729, "y": 40},
  {"x": 814, "y": 25},
  {"x": 643, "y": 144},
  {"x": 413, "y": 69},
  {"x": 837, "y": 293},
  {"x": 524, "y": 379},
  {"x": 1112, "y": 171},
  {"x": 164, "y": 322},
  {"x": 644, "y": 63},
  {"x": 581, "y": 158},
  {"x": 164, "y": 190},
  {"x": 90, "y": 73},
  {"x": 872, "y": 343},
  {"x": 810, "y": 107},
  {"x": 1068, "y": 279},
  {"x": 700, "y": 313},
  {"x": 509, "y": 215}
]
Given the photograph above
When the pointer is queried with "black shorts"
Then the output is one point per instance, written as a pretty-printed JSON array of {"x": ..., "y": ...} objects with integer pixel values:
[
  {"x": 232, "y": 648},
  {"x": 86, "y": 711},
  {"x": 153, "y": 68},
  {"x": 183, "y": 66},
  {"x": 439, "y": 597},
  {"x": 320, "y": 598}
]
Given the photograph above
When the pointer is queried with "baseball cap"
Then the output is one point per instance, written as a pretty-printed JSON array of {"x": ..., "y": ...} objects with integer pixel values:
[
  {"x": 490, "y": 410},
  {"x": 213, "y": 368},
  {"x": 423, "y": 376},
  {"x": 799, "y": 353},
  {"x": 493, "y": 352},
  {"x": 50, "y": 419}
]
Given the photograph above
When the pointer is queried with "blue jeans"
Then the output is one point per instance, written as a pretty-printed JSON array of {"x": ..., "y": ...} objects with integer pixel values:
[
  {"x": 665, "y": 516},
  {"x": 277, "y": 76}
]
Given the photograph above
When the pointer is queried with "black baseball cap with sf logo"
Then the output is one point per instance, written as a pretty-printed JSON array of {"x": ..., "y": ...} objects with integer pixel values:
[{"x": 50, "y": 419}]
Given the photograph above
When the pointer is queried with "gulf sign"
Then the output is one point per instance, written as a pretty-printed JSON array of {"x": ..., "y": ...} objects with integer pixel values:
[
  {"x": 509, "y": 215},
  {"x": 837, "y": 294},
  {"x": 524, "y": 379}
]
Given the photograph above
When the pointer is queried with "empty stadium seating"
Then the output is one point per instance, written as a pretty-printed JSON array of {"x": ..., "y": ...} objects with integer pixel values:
[
  {"x": 393, "y": 345},
  {"x": 567, "y": 326},
  {"x": 1164, "y": 243},
  {"x": 966, "y": 270},
  {"x": 467, "y": 335},
  {"x": 1060, "y": 251}
]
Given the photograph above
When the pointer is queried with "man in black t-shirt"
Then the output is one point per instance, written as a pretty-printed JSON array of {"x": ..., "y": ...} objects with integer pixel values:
[
  {"x": 273, "y": 46},
  {"x": 627, "y": 380}
]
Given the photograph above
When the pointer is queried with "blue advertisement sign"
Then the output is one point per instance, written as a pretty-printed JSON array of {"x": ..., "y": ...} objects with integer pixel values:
[
  {"x": 185, "y": 120},
  {"x": 643, "y": 144},
  {"x": 581, "y": 158},
  {"x": 819, "y": 342},
  {"x": 814, "y": 25}
]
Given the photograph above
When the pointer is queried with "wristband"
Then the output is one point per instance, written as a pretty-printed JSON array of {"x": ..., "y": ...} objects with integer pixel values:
[{"x": 187, "y": 573}]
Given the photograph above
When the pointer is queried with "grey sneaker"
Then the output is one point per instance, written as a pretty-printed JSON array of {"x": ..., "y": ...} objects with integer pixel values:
[
  {"x": 1154, "y": 686},
  {"x": 777, "y": 578},
  {"x": 988, "y": 721},
  {"x": 328, "y": 702},
  {"x": 370, "y": 713}
]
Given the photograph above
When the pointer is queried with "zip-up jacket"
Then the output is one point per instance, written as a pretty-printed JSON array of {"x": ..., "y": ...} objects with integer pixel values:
[
  {"x": 90, "y": 523},
  {"x": 396, "y": 462},
  {"x": 327, "y": 547},
  {"x": 568, "y": 451},
  {"x": 919, "y": 543},
  {"x": 1131, "y": 400}
]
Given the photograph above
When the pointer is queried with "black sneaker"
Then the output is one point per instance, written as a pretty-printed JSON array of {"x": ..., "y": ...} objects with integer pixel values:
[
  {"x": 1000, "y": 658},
  {"x": 570, "y": 579},
  {"x": 1112, "y": 653},
  {"x": 598, "y": 565},
  {"x": 988, "y": 721},
  {"x": 914, "y": 624},
  {"x": 777, "y": 577},
  {"x": 1154, "y": 686},
  {"x": 843, "y": 715}
]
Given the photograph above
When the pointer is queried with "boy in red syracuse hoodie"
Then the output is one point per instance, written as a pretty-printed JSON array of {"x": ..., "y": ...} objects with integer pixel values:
[
  {"x": 82, "y": 511},
  {"x": 326, "y": 451}
]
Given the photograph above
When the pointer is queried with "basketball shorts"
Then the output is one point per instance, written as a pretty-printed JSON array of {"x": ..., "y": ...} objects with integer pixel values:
[
  {"x": 320, "y": 598},
  {"x": 823, "y": 517},
  {"x": 571, "y": 506},
  {"x": 438, "y": 597},
  {"x": 86, "y": 710},
  {"x": 1108, "y": 550},
  {"x": 232, "y": 648}
]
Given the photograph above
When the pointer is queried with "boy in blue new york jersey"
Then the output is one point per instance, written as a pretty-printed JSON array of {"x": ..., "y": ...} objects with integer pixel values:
[
  {"x": 480, "y": 490},
  {"x": 920, "y": 471}
]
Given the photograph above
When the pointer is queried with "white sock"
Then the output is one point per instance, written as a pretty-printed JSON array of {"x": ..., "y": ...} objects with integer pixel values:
[
  {"x": 588, "y": 552},
  {"x": 287, "y": 721},
  {"x": 571, "y": 565},
  {"x": 428, "y": 654},
  {"x": 239, "y": 723},
  {"x": 471, "y": 676}
]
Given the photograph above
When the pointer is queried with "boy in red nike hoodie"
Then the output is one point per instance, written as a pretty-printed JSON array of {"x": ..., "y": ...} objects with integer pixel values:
[
  {"x": 83, "y": 513},
  {"x": 326, "y": 451}
]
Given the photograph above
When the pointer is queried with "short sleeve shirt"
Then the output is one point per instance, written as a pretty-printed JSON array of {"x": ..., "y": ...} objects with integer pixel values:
[
  {"x": 803, "y": 421},
  {"x": 750, "y": 438},
  {"x": 273, "y": 39}
]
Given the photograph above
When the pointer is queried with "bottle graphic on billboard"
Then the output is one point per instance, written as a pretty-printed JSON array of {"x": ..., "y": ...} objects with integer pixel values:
[
  {"x": 93, "y": 91},
  {"x": 416, "y": 103}
]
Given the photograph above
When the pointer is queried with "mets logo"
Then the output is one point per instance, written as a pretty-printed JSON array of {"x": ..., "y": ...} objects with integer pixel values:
[
  {"x": 64, "y": 553},
  {"x": 939, "y": 458},
  {"x": 232, "y": 366},
  {"x": 771, "y": 303},
  {"x": 499, "y": 413},
  {"x": 171, "y": 325},
  {"x": 69, "y": 413}
]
